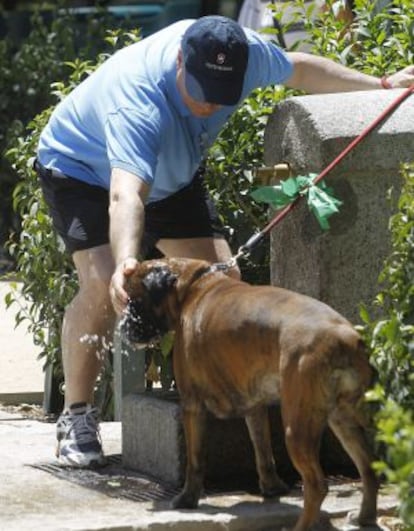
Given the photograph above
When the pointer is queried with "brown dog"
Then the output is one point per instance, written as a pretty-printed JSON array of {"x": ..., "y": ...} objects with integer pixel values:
[{"x": 238, "y": 348}]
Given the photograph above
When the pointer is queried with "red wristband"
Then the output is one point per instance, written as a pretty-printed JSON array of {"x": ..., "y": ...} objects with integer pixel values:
[{"x": 385, "y": 83}]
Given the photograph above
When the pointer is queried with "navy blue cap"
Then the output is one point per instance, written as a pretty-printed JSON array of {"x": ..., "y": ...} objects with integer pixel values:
[{"x": 215, "y": 54}]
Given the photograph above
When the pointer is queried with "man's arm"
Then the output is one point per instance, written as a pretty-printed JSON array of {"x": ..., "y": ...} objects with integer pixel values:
[
  {"x": 126, "y": 211},
  {"x": 318, "y": 75}
]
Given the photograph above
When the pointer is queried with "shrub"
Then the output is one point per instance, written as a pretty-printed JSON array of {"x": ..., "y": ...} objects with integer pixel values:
[
  {"x": 392, "y": 342},
  {"x": 26, "y": 72},
  {"x": 392, "y": 336},
  {"x": 375, "y": 42}
]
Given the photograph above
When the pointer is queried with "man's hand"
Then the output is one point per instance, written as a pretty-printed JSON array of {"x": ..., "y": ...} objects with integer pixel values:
[
  {"x": 117, "y": 291},
  {"x": 402, "y": 79}
]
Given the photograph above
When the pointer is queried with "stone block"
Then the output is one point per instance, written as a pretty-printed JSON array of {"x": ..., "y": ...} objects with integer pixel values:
[
  {"x": 129, "y": 370},
  {"x": 153, "y": 443},
  {"x": 339, "y": 266},
  {"x": 152, "y": 437}
]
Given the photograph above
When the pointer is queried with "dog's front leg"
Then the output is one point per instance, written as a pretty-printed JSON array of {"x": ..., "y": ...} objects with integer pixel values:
[
  {"x": 194, "y": 421},
  {"x": 259, "y": 429}
]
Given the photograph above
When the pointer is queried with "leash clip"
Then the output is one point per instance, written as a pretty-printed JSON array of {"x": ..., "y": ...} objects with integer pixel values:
[
  {"x": 243, "y": 252},
  {"x": 222, "y": 266}
]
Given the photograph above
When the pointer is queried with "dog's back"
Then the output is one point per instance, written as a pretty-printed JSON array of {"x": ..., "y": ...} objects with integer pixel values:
[{"x": 266, "y": 333}]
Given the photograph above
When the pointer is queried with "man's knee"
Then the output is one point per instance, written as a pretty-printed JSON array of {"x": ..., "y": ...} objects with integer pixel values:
[
  {"x": 96, "y": 290},
  {"x": 95, "y": 268}
]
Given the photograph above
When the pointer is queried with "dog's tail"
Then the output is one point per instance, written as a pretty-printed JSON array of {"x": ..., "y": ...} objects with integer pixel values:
[
  {"x": 352, "y": 377},
  {"x": 352, "y": 370}
]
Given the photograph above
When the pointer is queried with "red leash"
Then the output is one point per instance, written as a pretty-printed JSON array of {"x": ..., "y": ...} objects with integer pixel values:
[{"x": 256, "y": 238}]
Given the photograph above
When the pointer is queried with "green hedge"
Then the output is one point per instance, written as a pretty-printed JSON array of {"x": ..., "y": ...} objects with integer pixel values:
[{"x": 391, "y": 338}]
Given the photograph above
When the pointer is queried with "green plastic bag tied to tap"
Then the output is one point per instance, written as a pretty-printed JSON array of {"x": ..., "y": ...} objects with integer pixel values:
[{"x": 319, "y": 197}]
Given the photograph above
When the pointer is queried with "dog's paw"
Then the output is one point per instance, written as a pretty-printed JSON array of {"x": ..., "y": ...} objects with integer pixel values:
[
  {"x": 277, "y": 488},
  {"x": 184, "y": 501},
  {"x": 355, "y": 520}
]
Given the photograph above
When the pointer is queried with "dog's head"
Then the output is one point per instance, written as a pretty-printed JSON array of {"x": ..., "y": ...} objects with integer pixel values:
[
  {"x": 156, "y": 290},
  {"x": 144, "y": 319}
]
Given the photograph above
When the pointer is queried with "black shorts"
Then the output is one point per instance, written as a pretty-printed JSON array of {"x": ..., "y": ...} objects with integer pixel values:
[{"x": 80, "y": 213}]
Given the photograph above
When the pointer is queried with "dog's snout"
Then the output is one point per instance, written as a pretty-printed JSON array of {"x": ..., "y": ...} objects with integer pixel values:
[
  {"x": 140, "y": 324},
  {"x": 131, "y": 324}
]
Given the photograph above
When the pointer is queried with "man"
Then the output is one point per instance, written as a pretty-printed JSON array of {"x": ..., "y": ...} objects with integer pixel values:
[{"x": 131, "y": 138}]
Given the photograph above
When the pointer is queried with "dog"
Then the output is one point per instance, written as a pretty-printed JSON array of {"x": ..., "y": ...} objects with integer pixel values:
[{"x": 237, "y": 349}]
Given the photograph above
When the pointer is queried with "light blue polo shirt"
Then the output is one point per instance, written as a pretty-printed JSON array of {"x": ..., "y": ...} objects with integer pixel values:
[{"x": 129, "y": 114}]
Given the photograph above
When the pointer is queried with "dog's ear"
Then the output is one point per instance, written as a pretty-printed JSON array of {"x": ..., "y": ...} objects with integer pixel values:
[{"x": 158, "y": 282}]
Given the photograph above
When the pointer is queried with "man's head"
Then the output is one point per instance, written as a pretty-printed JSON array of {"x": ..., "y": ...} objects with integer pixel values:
[{"x": 214, "y": 54}]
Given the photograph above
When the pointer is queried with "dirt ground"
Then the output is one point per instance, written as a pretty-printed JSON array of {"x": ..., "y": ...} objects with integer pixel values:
[{"x": 27, "y": 411}]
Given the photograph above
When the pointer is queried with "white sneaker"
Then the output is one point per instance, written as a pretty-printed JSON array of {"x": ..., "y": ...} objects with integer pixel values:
[{"x": 79, "y": 441}]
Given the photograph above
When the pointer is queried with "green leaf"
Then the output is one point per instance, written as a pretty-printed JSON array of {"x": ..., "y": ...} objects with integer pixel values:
[{"x": 167, "y": 343}]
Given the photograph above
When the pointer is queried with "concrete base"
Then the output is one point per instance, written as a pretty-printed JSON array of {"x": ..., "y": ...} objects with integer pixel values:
[
  {"x": 340, "y": 266},
  {"x": 152, "y": 437},
  {"x": 153, "y": 443}
]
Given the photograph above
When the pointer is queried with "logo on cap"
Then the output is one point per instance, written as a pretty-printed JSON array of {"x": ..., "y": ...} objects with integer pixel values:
[{"x": 220, "y": 58}]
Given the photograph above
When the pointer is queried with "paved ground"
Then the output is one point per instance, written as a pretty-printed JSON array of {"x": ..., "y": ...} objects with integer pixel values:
[
  {"x": 36, "y": 495},
  {"x": 21, "y": 374},
  {"x": 32, "y": 498}
]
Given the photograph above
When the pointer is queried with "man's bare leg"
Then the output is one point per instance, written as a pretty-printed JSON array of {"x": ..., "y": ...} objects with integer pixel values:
[
  {"x": 88, "y": 324},
  {"x": 86, "y": 336}
]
